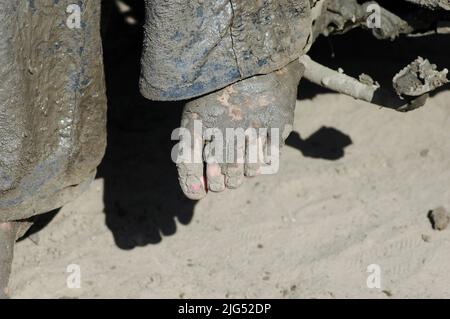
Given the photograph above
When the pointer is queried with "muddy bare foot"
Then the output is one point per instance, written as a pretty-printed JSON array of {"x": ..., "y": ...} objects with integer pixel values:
[{"x": 236, "y": 132}]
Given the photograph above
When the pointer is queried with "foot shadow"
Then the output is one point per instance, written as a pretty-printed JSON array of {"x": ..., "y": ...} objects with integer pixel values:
[
  {"x": 142, "y": 198},
  {"x": 326, "y": 143}
]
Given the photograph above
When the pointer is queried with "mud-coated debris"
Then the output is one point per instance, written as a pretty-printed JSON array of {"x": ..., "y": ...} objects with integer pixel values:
[
  {"x": 366, "y": 79},
  {"x": 418, "y": 78},
  {"x": 439, "y": 218},
  {"x": 426, "y": 238}
]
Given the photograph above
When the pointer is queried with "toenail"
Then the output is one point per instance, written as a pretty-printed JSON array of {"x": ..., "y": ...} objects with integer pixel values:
[{"x": 196, "y": 187}]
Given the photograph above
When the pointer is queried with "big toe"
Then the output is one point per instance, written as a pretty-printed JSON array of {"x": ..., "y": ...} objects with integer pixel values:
[{"x": 191, "y": 180}]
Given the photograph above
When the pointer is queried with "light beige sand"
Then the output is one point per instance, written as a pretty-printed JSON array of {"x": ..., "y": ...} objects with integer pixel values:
[{"x": 310, "y": 231}]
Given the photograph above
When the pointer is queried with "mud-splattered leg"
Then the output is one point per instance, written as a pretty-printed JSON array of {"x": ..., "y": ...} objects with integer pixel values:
[{"x": 8, "y": 232}]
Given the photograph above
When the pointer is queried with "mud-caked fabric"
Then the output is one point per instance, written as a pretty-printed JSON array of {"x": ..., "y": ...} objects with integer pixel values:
[
  {"x": 193, "y": 47},
  {"x": 52, "y": 103}
]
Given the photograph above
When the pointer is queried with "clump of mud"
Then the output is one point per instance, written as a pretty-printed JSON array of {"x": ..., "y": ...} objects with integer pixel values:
[
  {"x": 439, "y": 218},
  {"x": 418, "y": 78}
]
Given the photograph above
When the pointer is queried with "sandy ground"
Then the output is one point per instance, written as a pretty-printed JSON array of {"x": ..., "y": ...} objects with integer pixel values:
[
  {"x": 354, "y": 189},
  {"x": 310, "y": 231}
]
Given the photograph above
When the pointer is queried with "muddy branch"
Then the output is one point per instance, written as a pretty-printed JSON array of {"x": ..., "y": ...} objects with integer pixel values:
[{"x": 413, "y": 84}]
